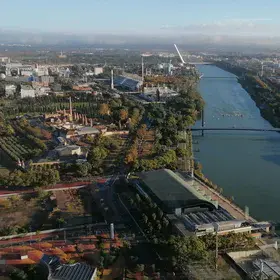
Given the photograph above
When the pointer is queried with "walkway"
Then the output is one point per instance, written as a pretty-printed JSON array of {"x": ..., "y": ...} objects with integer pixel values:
[
  {"x": 234, "y": 210},
  {"x": 9, "y": 191}
]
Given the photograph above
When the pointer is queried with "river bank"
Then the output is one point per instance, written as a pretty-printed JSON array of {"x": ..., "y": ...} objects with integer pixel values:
[
  {"x": 245, "y": 164},
  {"x": 259, "y": 92}
]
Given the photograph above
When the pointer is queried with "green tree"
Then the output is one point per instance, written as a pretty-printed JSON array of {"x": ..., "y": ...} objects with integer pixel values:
[
  {"x": 97, "y": 155},
  {"x": 104, "y": 109},
  {"x": 184, "y": 250},
  {"x": 83, "y": 169},
  {"x": 18, "y": 274},
  {"x": 123, "y": 115},
  {"x": 139, "y": 268},
  {"x": 145, "y": 218}
]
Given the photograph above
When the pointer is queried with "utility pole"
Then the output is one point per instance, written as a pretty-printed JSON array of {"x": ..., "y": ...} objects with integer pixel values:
[
  {"x": 185, "y": 147},
  {"x": 191, "y": 155},
  {"x": 112, "y": 79},
  {"x": 262, "y": 70},
  {"x": 261, "y": 270},
  {"x": 216, "y": 252},
  {"x": 30, "y": 235},
  {"x": 216, "y": 226}
]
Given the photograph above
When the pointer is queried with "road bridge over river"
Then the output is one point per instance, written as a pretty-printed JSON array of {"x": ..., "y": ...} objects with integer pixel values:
[
  {"x": 234, "y": 129},
  {"x": 203, "y": 77}
]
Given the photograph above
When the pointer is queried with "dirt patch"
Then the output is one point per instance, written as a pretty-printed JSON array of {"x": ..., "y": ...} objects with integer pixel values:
[
  {"x": 71, "y": 207},
  {"x": 17, "y": 211}
]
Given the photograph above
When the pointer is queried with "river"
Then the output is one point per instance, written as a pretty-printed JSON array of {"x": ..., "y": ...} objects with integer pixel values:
[{"x": 245, "y": 164}]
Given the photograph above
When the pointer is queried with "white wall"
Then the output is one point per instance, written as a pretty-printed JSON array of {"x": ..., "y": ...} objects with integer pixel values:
[{"x": 27, "y": 93}]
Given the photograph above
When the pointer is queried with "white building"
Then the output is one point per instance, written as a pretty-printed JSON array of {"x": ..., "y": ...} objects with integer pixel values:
[
  {"x": 64, "y": 73},
  {"x": 26, "y": 70},
  {"x": 4, "y": 59},
  {"x": 69, "y": 150},
  {"x": 79, "y": 132},
  {"x": 13, "y": 67},
  {"x": 41, "y": 71},
  {"x": 98, "y": 70},
  {"x": 10, "y": 90},
  {"x": 42, "y": 91},
  {"x": 27, "y": 91},
  {"x": 47, "y": 79}
]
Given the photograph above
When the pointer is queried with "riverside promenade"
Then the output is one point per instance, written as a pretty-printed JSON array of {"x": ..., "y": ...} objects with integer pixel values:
[{"x": 228, "y": 205}]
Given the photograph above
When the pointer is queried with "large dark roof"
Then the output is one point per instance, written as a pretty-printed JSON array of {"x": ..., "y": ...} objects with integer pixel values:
[
  {"x": 172, "y": 190},
  {"x": 58, "y": 271},
  {"x": 126, "y": 82}
]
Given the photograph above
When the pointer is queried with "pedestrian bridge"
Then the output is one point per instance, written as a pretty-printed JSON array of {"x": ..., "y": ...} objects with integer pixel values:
[
  {"x": 203, "y": 77},
  {"x": 234, "y": 129}
]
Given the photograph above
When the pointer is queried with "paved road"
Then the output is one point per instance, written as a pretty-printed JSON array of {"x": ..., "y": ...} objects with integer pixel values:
[{"x": 7, "y": 191}]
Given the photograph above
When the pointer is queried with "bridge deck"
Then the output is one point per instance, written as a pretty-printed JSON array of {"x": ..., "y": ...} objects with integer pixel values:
[
  {"x": 203, "y": 77},
  {"x": 234, "y": 129}
]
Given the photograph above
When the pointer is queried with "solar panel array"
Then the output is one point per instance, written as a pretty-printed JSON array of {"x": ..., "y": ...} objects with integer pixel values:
[
  {"x": 270, "y": 269},
  {"x": 77, "y": 271},
  {"x": 206, "y": 217}
]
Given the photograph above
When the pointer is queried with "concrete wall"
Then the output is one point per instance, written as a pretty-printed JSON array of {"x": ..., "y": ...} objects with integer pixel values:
[
  {"x": 109, "y": 133},
  {"x": 243, "y": 254},
  {"x": 50, "y": 231}
]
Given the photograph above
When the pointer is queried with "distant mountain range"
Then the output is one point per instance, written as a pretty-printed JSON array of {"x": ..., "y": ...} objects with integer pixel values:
[{"x": 157, "y": 41}]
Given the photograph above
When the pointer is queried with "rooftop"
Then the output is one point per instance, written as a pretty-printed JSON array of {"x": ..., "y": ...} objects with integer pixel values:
[
  {"x": 26, "y": 87},
  {"x": 68, "y": 147},
  {"x": 87, "y": 130},
  {"x": 58, "y": 271},
  {"x": 172, "y": 190}
]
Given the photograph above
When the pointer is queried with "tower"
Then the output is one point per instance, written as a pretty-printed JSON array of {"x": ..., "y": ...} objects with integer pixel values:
[
  {"x": 142, "y": 69},
  {"x": 112, "y": 231},
  {"x": 112, "y": 79},
  {"x": 70, "y": 110}
]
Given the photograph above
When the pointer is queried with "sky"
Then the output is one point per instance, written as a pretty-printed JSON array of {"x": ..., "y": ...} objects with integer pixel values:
[{"x": 233, "y": 17}]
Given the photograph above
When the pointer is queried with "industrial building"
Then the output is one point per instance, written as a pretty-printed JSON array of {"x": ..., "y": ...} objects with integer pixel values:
[
  {"x": 188, "y": 209},
  {"x": 69, "y": 150},
  {"x": 58, "y": 271},
  {"x": 259, "y": 263},
  {"x": 130, "y": 83}
]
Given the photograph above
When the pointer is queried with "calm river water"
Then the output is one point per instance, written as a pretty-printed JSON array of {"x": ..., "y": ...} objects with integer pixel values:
[{"x": 245, "y": 164}]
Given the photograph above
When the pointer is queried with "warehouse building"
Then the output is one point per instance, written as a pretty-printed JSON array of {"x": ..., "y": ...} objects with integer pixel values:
[
  {"x": 58, "y": 271},
  {"x": 189, "y": 209},
  {"x": 130, "y": 83}
]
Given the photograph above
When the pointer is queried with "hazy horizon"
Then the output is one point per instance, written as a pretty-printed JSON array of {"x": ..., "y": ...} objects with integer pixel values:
[{"x": 217, "y": 22}]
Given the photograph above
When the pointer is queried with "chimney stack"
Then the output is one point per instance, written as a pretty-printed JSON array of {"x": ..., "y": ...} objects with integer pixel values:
[
  {"x": 70, "y": 110},
  {"x": 112, "y": 79}
]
